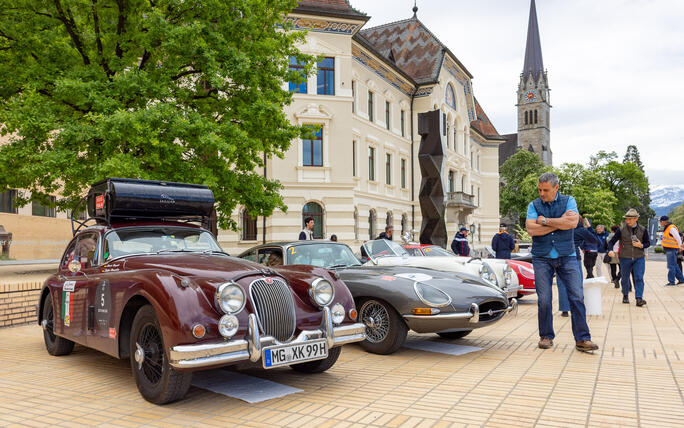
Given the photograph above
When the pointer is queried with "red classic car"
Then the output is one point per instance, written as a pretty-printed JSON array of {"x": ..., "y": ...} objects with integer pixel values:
[
  {"x": 146, "y": 285},
  {"x": 525, "y": 273}
]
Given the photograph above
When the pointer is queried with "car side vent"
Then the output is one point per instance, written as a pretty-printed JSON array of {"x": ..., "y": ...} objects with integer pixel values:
[{"x": 274, "y": 306}]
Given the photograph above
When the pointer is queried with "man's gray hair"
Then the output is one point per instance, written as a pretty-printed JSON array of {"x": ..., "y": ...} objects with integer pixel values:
[{"x": 549, "y": 177}]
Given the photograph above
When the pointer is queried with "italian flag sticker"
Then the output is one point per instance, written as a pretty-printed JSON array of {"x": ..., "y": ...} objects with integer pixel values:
[{"x": 67, "y": 308}]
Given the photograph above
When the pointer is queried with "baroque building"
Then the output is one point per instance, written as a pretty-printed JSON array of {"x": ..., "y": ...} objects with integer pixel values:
[
  {"x": 360, "y": 172},
  {"x": 533, "y": 102}
]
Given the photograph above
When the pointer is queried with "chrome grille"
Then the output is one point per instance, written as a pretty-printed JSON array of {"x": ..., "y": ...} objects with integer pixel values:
[
  {"x": 497, "y": 310},
  {"x": 274, "y": 307}
]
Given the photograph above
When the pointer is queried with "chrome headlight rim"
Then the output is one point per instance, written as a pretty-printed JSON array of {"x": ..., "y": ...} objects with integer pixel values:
[
  {"x": 228, "y": 325},
  {"x": 337, "y": 313},
  {"x": 219, "y": 291},
  {"x": 427, "y": 302},
  {"x": 313, "y": 291}
]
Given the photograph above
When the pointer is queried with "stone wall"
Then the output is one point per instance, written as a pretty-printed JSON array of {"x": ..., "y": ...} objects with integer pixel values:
[{"x": 18, "y": 303}]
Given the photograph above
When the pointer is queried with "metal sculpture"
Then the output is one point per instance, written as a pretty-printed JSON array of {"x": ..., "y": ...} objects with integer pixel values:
[{"x": 431, "y": 196}]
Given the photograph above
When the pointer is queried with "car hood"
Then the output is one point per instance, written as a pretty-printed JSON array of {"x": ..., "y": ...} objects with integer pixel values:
[{"x": 194, "y": 265}]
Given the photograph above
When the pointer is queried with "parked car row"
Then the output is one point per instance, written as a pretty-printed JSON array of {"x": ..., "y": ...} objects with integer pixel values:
[{"x": 148, "y": 284}]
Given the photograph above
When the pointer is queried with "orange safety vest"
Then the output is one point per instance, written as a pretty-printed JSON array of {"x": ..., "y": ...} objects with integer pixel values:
[{"x": 668, "y": 239}]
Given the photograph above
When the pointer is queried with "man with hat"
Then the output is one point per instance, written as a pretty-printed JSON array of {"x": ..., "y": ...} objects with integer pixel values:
[
  {"x": 460, "y": 243},
  {"x": 634, "y": 240},
  {"x": 672, "y": 244},
  {"x": 503, "y": 243}
]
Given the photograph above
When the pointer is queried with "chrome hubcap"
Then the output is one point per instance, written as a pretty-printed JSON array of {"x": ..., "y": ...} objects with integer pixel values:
[
  {"x": 139, "y": 355},
  {"x": 376, "y": 318}
]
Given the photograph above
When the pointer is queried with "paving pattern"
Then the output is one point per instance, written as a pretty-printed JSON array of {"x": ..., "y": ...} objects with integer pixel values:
[{"x": 635, "y": 379}]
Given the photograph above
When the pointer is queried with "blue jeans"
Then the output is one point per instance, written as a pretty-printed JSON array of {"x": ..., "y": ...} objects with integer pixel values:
[
  {"x": 673, "y": 271},
  {"x": 638, "y": 266},
  {"x": 563, "y": 302},
  {"x": 567, "y": 269}
]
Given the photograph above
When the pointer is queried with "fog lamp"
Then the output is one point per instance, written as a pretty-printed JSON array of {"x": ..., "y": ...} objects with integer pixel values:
[
  {"x": 228, "y": 325},
  {"x": 337, "y": 313}
]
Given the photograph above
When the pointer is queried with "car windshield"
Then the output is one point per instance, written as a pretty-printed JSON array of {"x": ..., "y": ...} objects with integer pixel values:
[
  {"x": 436, "y": 252},
  {"x": 384, "y": 247},
  {"x": 157, "y": 240},
  {"x": 322, "y": 255}
]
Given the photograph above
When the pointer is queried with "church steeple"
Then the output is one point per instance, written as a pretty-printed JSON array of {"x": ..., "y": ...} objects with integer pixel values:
[
  {"x": 533, "y": 54},
  {"x": 534, "y": 103}
]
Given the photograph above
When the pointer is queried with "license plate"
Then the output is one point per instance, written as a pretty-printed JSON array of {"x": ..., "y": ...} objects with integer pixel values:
[
  {"x": 284, "y": 355},
  {"x": 511, "y": 292}
]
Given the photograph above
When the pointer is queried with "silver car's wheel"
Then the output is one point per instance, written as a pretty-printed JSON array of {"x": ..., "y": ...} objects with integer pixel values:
[
  {"x": 375, "y": 316},
  {"x": 385, "y": 330}
]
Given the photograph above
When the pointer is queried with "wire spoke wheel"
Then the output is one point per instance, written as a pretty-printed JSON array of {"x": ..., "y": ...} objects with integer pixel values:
[
  {"x": 151, "y": 343},
  {"x": 50, "y": 326},
  {"x": 377, "y": 320}
]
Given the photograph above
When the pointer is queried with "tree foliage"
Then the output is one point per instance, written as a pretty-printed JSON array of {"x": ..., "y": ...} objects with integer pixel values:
[
  {"x": 604, "y": 189},
  {"x": 176, "y": 90},
  {"x": 677, "y": 216}
]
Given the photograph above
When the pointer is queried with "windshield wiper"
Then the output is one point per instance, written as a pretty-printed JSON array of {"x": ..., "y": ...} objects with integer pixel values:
[
  {"x": 168, "y": 250},
  {"x": 337, "y": 266},
  {"x": 212, "y": 252}
]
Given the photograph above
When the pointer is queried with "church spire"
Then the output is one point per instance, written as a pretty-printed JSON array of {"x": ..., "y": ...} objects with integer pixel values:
[{"x": 533, "y": 54}]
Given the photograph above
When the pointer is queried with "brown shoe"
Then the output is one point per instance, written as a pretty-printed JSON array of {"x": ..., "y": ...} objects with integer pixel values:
[
  {"x": 545, "y": 343},
  {"x": 586, "y": 346}
]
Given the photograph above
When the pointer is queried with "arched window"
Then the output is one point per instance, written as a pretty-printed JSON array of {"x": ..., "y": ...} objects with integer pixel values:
[
  {"x": 404, "y": 224},
  {"x": 449, "y": 97},
  {"x": 249, "y": 227},
  {"x": 535, "y": 116},
  {"x": 389, "y": 220},
  {"x": 525, "y": 118},
  {"x": 315, "y": 211},
  {"x": 356, "y": 224},
  {"x": 371, "y": 225}
]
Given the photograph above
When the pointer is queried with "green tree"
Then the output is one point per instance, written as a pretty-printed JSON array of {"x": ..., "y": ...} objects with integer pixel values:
[
  {"x": 178, "y": 90},
  {"x": 519, "y": 175},
  {"x": 594, "y": 201}
]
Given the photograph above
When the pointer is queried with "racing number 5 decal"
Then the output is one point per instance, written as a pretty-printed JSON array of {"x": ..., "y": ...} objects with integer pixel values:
[{"x": 103, "y": 306}]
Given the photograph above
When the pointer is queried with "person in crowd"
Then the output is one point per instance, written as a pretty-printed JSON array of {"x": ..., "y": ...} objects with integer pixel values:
[
  {"x": 333, "y": 238},
  {"x": 503, "y": 243},
  {"x": 590, "y": 250},
  {"x": 583, "y": 234},
  {"x": 614, "y": 259},
  {"x": 680, "y": 256},
  {"x": 602, "y": 235},
  {"x": 634, "y": 240},
  {"x": 387, "y": 234},
  {"x": 307, "y": 233},
  {"x": 460, "y": 245},
  {"x": 672, "y": 244},
  {"x": 551, "y": 219}
]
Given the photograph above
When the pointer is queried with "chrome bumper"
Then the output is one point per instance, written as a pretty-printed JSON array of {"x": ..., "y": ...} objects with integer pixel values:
[
  {"x": 249, "y": 348},
  {"x": 473, "y": 314}
]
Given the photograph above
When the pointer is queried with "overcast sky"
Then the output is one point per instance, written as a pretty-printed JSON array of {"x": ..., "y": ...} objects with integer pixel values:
[{"x": 615, "y": 67}]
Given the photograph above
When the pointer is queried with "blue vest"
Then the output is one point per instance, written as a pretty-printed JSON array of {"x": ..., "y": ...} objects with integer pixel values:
[{"x": 562, "y": 240}]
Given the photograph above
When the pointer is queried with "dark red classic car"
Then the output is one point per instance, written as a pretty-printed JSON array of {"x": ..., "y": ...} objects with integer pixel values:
[{"x": 146, "y": 285}]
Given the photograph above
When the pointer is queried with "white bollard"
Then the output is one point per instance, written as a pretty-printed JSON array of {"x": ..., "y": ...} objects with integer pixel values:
[{"x": 592, "y": 294}]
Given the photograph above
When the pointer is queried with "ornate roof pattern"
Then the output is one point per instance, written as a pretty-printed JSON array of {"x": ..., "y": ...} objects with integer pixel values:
[
  {"x": 330, "y": 7},
  {"x": 482, "y": 123}
]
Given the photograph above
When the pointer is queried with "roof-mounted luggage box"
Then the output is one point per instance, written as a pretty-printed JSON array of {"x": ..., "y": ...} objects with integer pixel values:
[{"x": 118, "y": 199}]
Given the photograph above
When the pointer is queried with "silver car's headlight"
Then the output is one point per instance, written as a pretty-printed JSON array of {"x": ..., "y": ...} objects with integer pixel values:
[
  {"x": 321, "y": 292},
  {"x": 431, "y": 296},
  {"x": 508, "y": 275},
  {"x": 488, "y": 274},
  {"x": 230, "y": 297}
]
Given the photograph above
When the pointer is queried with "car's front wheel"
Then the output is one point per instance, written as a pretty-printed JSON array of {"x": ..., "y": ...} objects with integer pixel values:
[
  {"x": 54, "y": 344},
  {"x": 319, "y": 366},
  {"x": 455, "y": 334},
  {"x": 385, "y": 330},
  {"x": 157, "y": 381}
]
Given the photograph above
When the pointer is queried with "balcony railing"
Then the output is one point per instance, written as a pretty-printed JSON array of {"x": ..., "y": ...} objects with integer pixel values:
[{"x": 460, "y": 200}]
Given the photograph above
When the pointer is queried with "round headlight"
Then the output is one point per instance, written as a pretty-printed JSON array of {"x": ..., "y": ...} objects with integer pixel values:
[
  {"x": 508, "y": 275},
  {"x": 230, "y": 298},
  {"x": 322, "y": 292},
  {"x": 488, "y": 275},
  {"x": 228, "y": 325},
  {"x": 431, "y": 296},
  {"x": 337, "y": 313}
]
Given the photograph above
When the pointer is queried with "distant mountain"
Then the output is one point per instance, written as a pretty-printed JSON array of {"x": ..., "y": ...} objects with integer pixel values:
[{"x": 666, "y": 197}]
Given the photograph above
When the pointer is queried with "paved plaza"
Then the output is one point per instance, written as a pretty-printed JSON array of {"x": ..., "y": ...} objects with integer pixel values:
[{"x": 635, "y": 379}]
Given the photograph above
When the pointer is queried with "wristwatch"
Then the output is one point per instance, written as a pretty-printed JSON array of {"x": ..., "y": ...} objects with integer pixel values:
[{"x": 544, "y": 221}]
